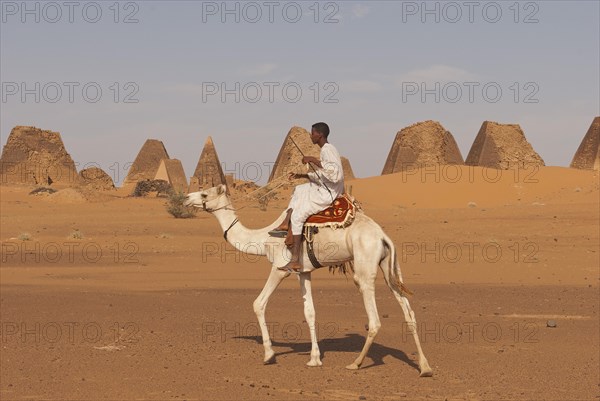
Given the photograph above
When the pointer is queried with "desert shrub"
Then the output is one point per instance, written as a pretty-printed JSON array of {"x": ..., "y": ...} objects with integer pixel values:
[
  {"x": 42, "y": 190},
  {"x": 176, "y": 207},
  {"x": 24, "y": 237},
  {"x": 76, "y": 235},
  {"x": 264, "y": 197},
  {"x": 161, "y": 187},
  {"x": 263, "y": 202}
]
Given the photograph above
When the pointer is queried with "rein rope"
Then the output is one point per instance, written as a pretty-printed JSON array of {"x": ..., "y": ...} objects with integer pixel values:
[
  {"x": 249, "y": 195},
  {"x": 283, "y": 178}
]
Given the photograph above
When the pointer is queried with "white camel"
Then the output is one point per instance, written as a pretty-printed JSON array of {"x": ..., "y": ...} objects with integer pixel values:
[{"x": 363, "y": 242}]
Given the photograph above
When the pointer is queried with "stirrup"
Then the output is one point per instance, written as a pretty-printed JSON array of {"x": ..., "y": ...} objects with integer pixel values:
[{"x": 278, "y": 233}]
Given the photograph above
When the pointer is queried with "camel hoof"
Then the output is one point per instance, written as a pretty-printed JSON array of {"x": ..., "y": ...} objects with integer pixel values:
[
  {"x": 426, "y": 373},
  {"x": 352, "y": 366},
  {"x": 269, "y": 360},
  {"x": 312, "y": 363}
]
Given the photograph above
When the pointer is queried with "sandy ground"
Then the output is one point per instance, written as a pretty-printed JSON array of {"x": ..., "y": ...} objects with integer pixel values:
[{"x": 144, "y": 306}]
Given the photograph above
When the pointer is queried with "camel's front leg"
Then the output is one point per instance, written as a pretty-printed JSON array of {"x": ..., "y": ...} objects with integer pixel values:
[
  {"x": 367, "y": 288},
  {"x": 309, "y": 315},
  {"x": 260, "y": 305}
]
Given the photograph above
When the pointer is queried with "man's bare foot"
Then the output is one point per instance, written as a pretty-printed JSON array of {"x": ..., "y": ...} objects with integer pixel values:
[
  {"x": 285, "y": 224},
  {"x": 282, "y": 227},
  {"x": 294, "y": 263},
  {"x": 292, "y": 267}
]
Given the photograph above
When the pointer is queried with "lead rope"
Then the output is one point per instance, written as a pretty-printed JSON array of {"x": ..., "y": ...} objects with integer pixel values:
[{"x": 283, "y": 178}]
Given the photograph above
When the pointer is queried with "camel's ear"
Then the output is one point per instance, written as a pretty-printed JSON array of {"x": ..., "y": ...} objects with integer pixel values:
[{"x": 221, "y": 189}]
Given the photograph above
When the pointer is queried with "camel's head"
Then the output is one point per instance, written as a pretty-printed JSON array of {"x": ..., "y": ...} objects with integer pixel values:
[{"x": 210, "y": 200}]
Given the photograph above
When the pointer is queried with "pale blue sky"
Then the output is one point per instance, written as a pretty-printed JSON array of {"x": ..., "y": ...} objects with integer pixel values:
[{"x": 372, "y": 55}]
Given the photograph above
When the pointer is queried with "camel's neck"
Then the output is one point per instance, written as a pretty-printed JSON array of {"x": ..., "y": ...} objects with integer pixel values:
[{"x": 242, "y": 238}]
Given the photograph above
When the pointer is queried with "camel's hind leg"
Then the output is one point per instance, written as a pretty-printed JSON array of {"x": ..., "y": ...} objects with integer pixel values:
[
  {"x": 309, "y": 315},
  {"x": 411, "y": 321},
  {"x": 393, "y": 278},
  {"x": 367, "y": 289},
  {"x": 260, "y": 305}
]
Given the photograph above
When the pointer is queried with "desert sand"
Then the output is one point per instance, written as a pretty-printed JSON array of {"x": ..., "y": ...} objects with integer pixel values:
[{"x": 110, "y": 297}]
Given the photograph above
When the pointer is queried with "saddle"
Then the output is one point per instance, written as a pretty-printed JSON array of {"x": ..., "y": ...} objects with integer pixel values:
[{"x": 340, "y": 214}]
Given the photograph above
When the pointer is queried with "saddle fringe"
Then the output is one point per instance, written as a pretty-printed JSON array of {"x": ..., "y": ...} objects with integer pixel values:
[
  {"x": 342, "y": 268},
  {"x": 346, "y": 267}
]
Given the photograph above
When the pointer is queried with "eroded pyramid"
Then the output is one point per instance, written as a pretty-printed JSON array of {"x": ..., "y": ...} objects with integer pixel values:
[
  {"x": 147, "y": 162},
  {"x": 587, "y": 156},
  {"x": 289, "y": 159},
  {"x": 422, "y": 144},
  {"x": 35, "y": 156},
  {"x": 209, "y": 171},
  {"x": 95, "y": 178},
  {"x": 502, "y": 146},
  {"x": 171, "y": 170}
]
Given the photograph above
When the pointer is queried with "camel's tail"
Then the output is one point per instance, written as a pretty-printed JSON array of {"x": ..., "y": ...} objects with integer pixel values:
[{"x": 392, "y": 269}]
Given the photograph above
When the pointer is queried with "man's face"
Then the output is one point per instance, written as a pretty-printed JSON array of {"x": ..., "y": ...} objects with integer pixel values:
[{"x": 315, "y": 136}]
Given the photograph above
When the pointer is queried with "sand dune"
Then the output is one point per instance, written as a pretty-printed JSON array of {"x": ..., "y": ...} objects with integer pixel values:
[{"x": 454, "y": 186}]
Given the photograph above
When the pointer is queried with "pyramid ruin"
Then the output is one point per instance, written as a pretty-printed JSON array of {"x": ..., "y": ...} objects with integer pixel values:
[
  {"x": 35, "y": 156},
  {"x": 587, "y": 156},
  {"x": 171, "y": 170},
  {"x": 209, "y": 172},
  {"x": 240, "y": 187},
  {"x": 289, "y": 156},
  {"x": 422, "y": 144},
  {"x": 146, "y": 163},
  {"x": 348, "y": 173},
  {"x": 502, "y": 146},
  {"x": 95, "y": 178}
]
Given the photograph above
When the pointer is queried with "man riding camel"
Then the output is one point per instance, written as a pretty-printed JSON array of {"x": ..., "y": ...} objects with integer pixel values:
[{"x": 326, "y": 184}]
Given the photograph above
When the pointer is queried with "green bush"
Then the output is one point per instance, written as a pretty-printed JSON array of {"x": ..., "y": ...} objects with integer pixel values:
[
  {"x": 161, "y": 187},
  {"x": 176, "y": 207}
]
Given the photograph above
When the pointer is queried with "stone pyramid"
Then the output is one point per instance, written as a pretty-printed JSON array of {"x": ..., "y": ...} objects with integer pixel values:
[
  {"x": 171, "y": 170},
  {"x": 587, "y": 156},
  {"x": 35, "y": 156},
  {"x": 348, "y": 173},
  {"x": 502, "y": 146},
  {"x": 289, "y": 158},
  {"x": 95, "y": 178},
  {"x": 422, "y": 144},
  {"x": 209, "y": 171},
  {"x": 146, "y": 163}
]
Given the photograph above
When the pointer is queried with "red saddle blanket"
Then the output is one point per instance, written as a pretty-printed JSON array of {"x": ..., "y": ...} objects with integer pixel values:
[{"x": 336, "y": 213}]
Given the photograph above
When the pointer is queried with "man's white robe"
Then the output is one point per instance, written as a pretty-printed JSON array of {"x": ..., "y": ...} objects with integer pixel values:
[{"x": 313, "y": 197}]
